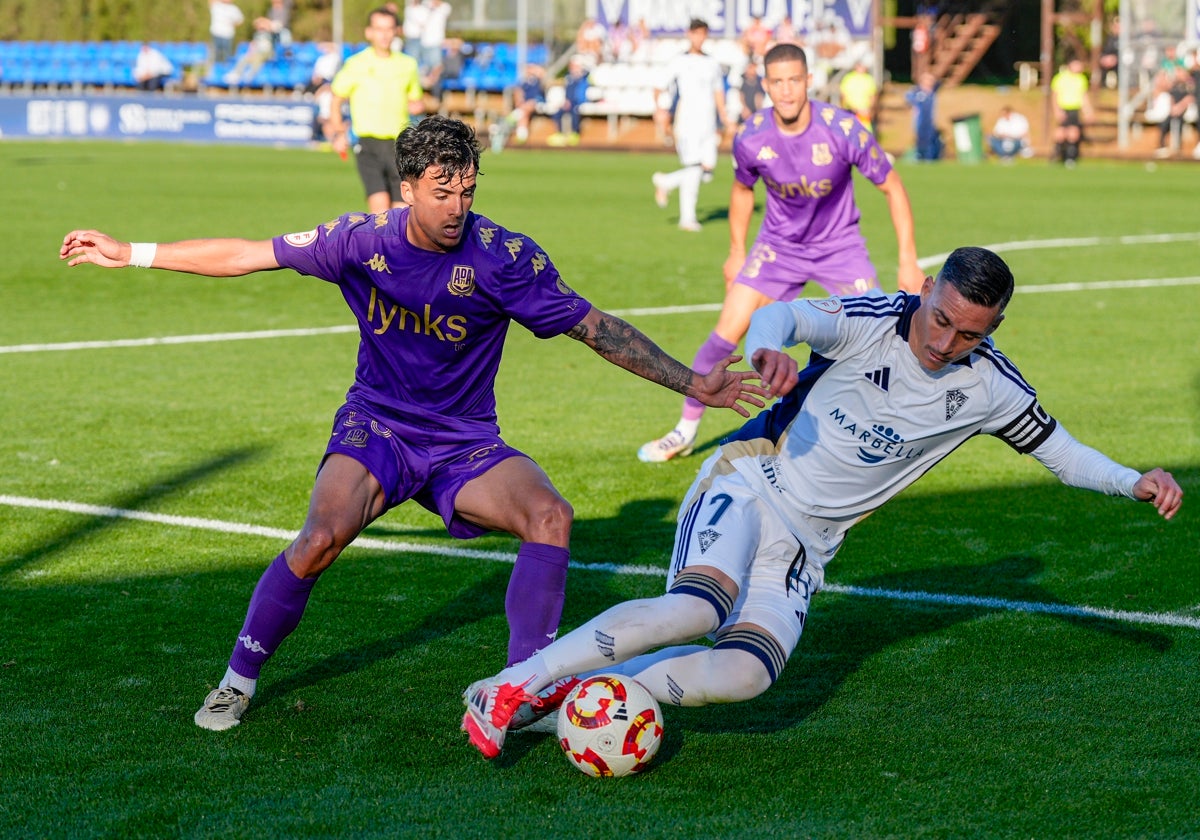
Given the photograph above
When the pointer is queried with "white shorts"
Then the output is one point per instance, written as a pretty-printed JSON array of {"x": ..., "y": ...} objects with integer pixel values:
[
  {"x": 724, "y": 523},
  {"x": 697, "y": 149}
]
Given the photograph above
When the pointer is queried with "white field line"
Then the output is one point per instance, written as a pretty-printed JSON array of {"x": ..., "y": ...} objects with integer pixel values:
[
  {"x": 925, "y": 262},
  {"x": 1033, "y": 607}
]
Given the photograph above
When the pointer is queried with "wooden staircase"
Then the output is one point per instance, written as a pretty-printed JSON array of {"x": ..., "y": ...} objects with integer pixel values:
[{"x": 963, "y": 33}]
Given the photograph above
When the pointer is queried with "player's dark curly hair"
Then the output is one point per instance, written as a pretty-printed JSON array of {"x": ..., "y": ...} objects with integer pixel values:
[
  {"x": 438, "y": 141},
  {"x": 979, "y": 275}
]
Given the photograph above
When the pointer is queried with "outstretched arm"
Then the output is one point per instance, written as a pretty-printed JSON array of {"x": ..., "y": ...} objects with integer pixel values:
[
  {"x": 209, "y": 257},
  {"x": 911, "y": 276},
  {"x": 627, "y": 347}
]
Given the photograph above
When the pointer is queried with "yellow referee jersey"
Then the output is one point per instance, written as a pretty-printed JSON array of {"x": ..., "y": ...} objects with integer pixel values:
[
  {"x": 379, "y": 90},
  {"x": 1069, "y": 89}
]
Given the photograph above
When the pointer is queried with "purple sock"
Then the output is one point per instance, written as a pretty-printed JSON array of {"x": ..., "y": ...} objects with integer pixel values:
[
  {"x": 713, "y": 350},
  {"x": 275, "y": 609},
  {"x": 534, "y": 600}
]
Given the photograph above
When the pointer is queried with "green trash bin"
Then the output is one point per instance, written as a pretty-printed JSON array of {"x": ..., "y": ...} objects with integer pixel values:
[{"x": 968, "y": 138}]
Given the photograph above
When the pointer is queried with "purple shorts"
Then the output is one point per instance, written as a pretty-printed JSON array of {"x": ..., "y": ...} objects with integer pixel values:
[
  {"x": 780, "y": 271},
  {"x": 421, "y": 462}
]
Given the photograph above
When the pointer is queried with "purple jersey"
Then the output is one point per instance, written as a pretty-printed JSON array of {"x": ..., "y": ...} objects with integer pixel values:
[
  {"x": 432, "y": 324},
  {"x": 809, "y": 176}
]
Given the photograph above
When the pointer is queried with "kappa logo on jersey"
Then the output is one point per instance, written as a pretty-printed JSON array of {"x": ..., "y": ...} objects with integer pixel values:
[
  {"x": 881, "y": 377},
  {"x": 377, "y": 263},
  {"x": 462, "y": 281},
  {"x": 877, "y": 442},
  {"x": 955, "y": 399},
  {"x": 827, "y": 114},
  {"x": 514, "y": 246},
  {"x": 846, "y": 124},
  {"x": 767, "y": 153},
  {"x": 486, "y": 235},
  {"x": 821, "y": 156},
  {"x": 706, "y": 538},
  {"x": 301, "y": 240},
  {"x": 539, "y": 263},
  {"x": 381, "y": 220},
  {"x": 863, "y": 138},
  {"x": 331, "y": 226}
]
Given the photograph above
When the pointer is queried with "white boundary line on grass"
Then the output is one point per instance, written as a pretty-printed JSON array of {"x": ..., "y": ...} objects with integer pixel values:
[
  {"x": 220, "y": 526},
  {"x": 925, "y": 262}
]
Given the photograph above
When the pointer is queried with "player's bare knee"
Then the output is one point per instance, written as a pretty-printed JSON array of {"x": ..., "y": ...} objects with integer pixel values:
[
  {"x": 547, "y": 519},
  {"x": 314, "y": 550}
]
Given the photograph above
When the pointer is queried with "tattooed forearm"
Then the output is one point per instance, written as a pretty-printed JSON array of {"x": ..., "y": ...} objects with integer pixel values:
[{"x": 627, "y": 347}]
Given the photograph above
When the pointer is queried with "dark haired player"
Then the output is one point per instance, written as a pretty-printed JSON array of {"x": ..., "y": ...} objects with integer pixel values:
[
  {"x": 894, "y": 385},
  {"x": 805, "y": 153},
  {"x": 434, "y": 288}
]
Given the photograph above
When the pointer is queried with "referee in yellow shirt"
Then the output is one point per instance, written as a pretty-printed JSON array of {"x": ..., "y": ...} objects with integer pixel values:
[
  {"x": 383, "y": 88},
  {"x": 1072, "y": 108}
]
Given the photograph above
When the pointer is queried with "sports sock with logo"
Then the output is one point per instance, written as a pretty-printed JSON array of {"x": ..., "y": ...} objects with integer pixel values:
[
  {"x": 534, "y": 601},
  {"x": 275, "y": 609}
]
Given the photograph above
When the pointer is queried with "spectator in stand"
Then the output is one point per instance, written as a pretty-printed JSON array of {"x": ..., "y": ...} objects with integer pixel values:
[
  {"x": 785, "y": 33},
  {"x": 859, "y": 93},
  {"x": 433, "y": 39},
  {"x": 454, "y": 62},
  {"x": 1010, "y": 135},
  {"x": 752, "y": 92},
  {"x": 224, "y": 19},
  {"x": 1110, "y": 54},
  {"x": 152, "y": 70},
  {"x": 527, "y": 96},
  {"x": 923, "y": 101},
  {"x": 277, "y": 21},
  {"x": 1072, "y": 109},
  {"x": 575, "y": 88},
  {"x": 325, "y": 67},
  {"x": 1182, "y": 97},
  {"x": 590, "y": 40},
  {"x": 260, "y": 51},
  {"x": 415, "y": 14},
  {"x": 756, "y": 39}
]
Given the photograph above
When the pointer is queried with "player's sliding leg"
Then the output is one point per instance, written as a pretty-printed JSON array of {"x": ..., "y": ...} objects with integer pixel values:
[
  {"x": 619, "y": 633},
  {"x": 680, "y": 441}
]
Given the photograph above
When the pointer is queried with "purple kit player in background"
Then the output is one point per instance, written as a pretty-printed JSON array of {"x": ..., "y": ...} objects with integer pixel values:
[
  {"x": 805, "y": 153},
  {"x": 434, "y": 288}
]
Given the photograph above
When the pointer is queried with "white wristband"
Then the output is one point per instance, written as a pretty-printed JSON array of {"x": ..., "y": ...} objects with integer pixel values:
[{"x": 141, "y": 254}]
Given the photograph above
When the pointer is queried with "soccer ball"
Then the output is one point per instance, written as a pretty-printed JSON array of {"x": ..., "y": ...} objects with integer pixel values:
[{"x": 610, "y": 725}]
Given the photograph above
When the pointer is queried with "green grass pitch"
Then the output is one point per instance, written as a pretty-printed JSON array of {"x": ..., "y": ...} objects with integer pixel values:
[{"x": 997, "y": 655}]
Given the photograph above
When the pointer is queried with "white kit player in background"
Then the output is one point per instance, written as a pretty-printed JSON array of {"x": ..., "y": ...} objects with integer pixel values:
[
  {"x": 699, "y": 86},
  {"x": 895, "y": 384}
]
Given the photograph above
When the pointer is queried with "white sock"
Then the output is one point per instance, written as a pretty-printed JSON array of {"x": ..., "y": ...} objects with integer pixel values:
[
  {"x": 688, "y": 428},
  {"x": 233, "y": 679},
  {"x": 695, "y": 675},
  {"x": 689, "y": 194}
]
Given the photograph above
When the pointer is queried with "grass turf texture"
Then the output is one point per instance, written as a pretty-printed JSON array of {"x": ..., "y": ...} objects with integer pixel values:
[{"x": 894, "y": 718}]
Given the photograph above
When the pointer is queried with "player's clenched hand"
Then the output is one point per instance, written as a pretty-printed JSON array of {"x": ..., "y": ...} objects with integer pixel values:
[
  {"x": 724, "y": 388},
  {"x": 777, "y": 370},
  {"x": 1161, "y": 489},
  {"x": 92, "y": 246}
]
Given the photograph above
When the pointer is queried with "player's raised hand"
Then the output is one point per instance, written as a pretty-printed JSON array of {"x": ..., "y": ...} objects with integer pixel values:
[
  {"x": 92, "y": 246},
  {"x": 724, "y": 388},
  {"x": 1161, "y": 489},
  {"x": 778, "y": 371}
]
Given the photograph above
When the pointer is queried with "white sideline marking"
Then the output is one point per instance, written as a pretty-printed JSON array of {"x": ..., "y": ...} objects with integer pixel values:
[
  {"x": 1161, "y": 619},
  {"x": 924, "y": 262}
]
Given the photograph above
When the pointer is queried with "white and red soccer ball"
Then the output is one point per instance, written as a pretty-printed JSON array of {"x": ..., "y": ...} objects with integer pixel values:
[{"x": 610, "y": 725}]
